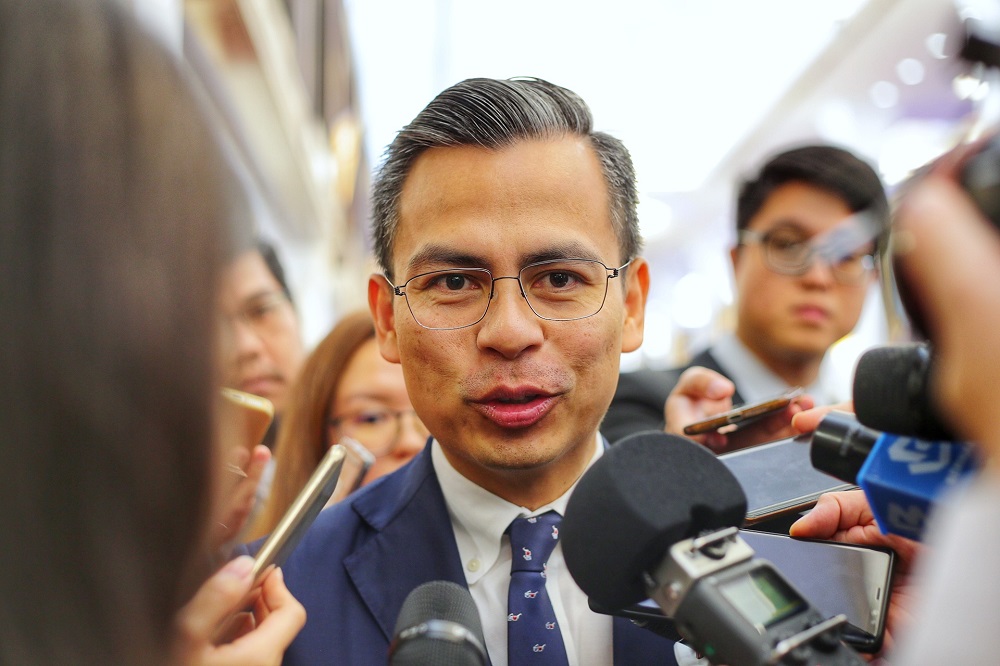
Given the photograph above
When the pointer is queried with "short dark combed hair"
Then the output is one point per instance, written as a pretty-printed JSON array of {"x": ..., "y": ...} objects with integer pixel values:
[
  {"x": 495, "y": 113},
  {"x": 836, "y": 170},
  {"x": 270, "y": 256}
]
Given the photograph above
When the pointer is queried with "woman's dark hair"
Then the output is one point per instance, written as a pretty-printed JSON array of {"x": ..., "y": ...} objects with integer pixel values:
[{"x": 117, "y": 211}]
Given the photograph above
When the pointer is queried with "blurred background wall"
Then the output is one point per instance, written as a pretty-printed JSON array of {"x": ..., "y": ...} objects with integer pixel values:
[{"x": 311, "y": 91}]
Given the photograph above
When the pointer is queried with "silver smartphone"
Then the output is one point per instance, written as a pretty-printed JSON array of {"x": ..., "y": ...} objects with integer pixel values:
[{"x": 303, "y": 511}]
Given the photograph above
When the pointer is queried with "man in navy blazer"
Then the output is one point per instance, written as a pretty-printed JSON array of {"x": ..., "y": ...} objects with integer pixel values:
[
  {"x": 362, "y": 558},
  {"x": 506, "y": 230}
]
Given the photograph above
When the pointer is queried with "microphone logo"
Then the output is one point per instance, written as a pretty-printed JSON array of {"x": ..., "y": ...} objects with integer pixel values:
[
  {"x": 527, "y": 553},
  {"x": 921, "y": 457},
  {"x": 538, "y": 647},
  {"x": 514, "y": 618}
]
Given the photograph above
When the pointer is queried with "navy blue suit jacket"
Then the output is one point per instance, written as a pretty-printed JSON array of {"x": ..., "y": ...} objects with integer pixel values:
[{"x": 364, "y": 555}]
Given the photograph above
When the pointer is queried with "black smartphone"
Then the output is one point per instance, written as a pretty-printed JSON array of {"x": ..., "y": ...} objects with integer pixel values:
[
  {"x": 743, "y": 415},
  {"x": 779, "y": 478},
  {"x": 835, "y": 577}
]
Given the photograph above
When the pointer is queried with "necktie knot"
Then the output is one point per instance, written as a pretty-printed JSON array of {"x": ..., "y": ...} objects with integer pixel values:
[{"x": 532, "y": 541}]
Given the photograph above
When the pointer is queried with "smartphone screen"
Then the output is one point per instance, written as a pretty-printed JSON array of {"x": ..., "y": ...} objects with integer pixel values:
[
  {"x": 743, "y": 415},
  {"x": 779, "y": 478},
  {"x": 835, "y": 578}
]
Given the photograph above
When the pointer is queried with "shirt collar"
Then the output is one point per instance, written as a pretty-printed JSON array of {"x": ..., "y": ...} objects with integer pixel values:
[
  {"x": 755, "y": 381},
  {"x": 480, "y": 518}
]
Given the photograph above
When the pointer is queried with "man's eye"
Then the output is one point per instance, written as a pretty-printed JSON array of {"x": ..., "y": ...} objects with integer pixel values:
[
  {"x": 454, "y": 282},
  {"x": 786, "y": 244},
  {"x": 260, "y": 311}
]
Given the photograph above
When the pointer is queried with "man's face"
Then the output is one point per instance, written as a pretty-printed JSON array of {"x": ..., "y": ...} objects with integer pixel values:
[
  {"x": 794, "y": 318},
  {"x": 262, "y": 344},
  {"x": 514, "y": 400}
]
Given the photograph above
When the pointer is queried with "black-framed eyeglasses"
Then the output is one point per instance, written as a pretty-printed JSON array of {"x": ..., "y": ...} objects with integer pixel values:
[
  {"x": 377, "y": 428},
  {"x": 787, "y": 250},
  {"x": 556, "y": 290}
]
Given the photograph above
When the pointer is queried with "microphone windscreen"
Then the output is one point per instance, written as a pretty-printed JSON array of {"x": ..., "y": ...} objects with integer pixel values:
[
  {"x": 646, "y": 493},
  {"x": 892, "y": 392},
  {"x": 445, "y": 628}
]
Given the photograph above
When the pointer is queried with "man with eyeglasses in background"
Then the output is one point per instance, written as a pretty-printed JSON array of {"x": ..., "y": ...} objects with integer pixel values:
[
  {"x": 262, "y": 346},
  {"x": 506, "y": 228},
  {"x": 261, "y": 352},
  {"x": 808, "y": 226}
]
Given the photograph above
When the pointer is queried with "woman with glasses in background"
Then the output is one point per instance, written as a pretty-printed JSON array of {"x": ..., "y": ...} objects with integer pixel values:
[{"x": 345, "y": 390}]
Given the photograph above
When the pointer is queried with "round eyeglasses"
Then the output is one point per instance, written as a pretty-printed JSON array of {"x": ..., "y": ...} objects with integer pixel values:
[
  {"x": 557, "y": 290},
  {"x": 788, "y": 251}
]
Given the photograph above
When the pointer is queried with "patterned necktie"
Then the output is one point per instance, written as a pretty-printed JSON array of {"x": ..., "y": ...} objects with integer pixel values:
[{"x": 533, "y": 637}]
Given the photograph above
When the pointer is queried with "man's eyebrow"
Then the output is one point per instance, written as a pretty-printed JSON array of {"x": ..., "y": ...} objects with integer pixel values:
[
  {"x": 441, "y": 256},
  {"x": 438, "y": 255},
  {"x": 569, "y": 250}
]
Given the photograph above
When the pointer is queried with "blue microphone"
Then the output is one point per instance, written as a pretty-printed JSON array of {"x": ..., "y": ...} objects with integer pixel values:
[{"x": 902, "y": 477}]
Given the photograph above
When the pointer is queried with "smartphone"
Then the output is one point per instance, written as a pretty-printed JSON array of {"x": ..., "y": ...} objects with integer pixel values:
[
  {"x": 835, "y": 577},
  {"x": 357, "y": 461},
  {"x": 244, "y": 418},
  {"x": 303, "y": 511},
  {"x": 779, "y": 478},
  {"x": 740, "y": 416}
]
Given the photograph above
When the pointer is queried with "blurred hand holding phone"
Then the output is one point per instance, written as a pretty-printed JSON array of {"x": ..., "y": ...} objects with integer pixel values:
[
  {"x": 694, "y": 404},
  {"x": 241, "y": 423}
]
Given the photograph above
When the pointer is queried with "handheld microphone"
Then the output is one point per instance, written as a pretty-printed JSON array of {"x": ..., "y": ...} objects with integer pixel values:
[
  {"x": 656, "y": 516},
  {"x": 902, "y": 477},
  {"x": 438, "y": 624},
  {"x": 892, "y": 392}
]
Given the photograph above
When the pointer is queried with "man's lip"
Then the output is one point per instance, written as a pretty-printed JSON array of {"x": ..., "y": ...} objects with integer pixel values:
[
  {"x": 812, "y": 312},
  {"x": 259, "y": 385},
  {"x": 529, "y": 406}
]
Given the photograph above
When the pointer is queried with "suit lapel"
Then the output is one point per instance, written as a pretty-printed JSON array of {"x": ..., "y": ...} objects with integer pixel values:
[
  {"x": 634, "y": 645},
  {"x": 414, "y": 542}
]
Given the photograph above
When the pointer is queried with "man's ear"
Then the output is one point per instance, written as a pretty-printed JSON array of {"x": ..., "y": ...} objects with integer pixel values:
[
  {"x": 734, "y": 257},
  {"x": 380, "y": 302},
  {"x": 636, "y": 292}
]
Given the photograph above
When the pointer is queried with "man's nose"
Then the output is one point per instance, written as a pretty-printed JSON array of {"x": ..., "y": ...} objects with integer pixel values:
[{"x": 510, "y": 325}]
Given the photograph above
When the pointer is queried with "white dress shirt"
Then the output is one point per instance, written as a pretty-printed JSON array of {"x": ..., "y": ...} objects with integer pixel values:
[{"x": 479, "y": 519}]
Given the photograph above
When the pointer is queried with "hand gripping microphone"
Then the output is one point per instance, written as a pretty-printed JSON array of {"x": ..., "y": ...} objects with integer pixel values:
[
  {"x": 892, "y": 392},
  {"x": 438, "y": 625},
  {"x": 656, "y": 516},
  {"x": 902, "y": 476}
]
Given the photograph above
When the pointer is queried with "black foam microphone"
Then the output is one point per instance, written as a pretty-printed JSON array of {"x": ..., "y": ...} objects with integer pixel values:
[
  {"x": 634, "y": 503},
  {"x": 656, "y": 517},
  {"x": 438, "y": 625},
  {"x": 892, "y": 392}
]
